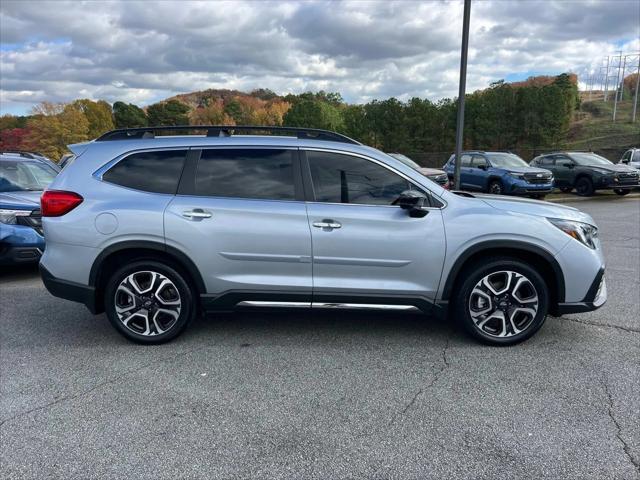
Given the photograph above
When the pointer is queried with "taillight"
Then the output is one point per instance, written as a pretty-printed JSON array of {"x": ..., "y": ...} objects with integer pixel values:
[{"x": 55, "y": 203}]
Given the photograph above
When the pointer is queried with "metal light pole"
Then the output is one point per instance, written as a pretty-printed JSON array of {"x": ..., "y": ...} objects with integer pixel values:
[{"x": 461, "y": 91}]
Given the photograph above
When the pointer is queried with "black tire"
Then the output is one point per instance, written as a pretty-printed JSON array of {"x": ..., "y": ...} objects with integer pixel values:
[
  {"x": 495, "y": 187},
  {"x": 584, "y": 187},
  {"x": 566, "y": 189},
  {"x": 476, "y": 272},
  {"x": 622, "y": 191},
  {"x": 177, "y": 288}
]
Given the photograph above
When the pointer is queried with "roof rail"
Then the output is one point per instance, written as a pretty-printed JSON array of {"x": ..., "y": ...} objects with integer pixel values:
[
  {"x": 225, "y": 131},
  {"x": 22, "y": 153}
]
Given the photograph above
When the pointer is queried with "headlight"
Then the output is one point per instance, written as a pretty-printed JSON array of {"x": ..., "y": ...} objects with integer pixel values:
[
  {"x": 9, "y": 216},
  {"x": 517, "y": 175},
  {"x": 582, "y": 232}
]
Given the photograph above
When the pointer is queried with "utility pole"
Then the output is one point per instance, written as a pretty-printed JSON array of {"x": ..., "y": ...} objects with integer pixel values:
[
  {"x": 606, "y": 80},
  {"x": 635, "y": 97},
  {"x": 624, "y": 66},
  {"x": 615, "y": 98},
  {"x": 461, "y": 92}
]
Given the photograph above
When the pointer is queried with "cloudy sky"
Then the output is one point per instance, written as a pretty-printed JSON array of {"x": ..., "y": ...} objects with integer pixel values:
[{"x": 144, "y": 51}]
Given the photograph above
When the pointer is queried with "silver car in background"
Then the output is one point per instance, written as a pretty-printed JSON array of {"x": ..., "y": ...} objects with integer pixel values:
[{"x": 153, "y": 229}]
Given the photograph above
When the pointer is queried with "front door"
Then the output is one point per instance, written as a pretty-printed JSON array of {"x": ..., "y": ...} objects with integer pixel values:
[
  {"x": 563, "y": 170},
  {"x": 366, "y": 250},
  {"x": 240, "y": 216}
]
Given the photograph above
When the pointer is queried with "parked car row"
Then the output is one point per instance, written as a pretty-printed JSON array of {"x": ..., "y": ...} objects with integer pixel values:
[{"x": 504, "y": 173}]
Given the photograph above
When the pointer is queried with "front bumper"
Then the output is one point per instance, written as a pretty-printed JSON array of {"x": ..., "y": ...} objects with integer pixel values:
[
  {"x": 69, "y": 290},
  {"x": 525, "y": 188},
  {"x": 594, "y": 299},
  {"x": 19, "y": 244}
]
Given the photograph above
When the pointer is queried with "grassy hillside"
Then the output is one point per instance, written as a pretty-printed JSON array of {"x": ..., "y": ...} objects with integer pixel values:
[{"x": 594, "y": 129}]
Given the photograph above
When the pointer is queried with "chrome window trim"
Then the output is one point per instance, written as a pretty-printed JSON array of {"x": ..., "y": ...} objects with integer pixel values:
[
  {"x": 384, "y": 165},
  {"x": 111, "y": 163}
]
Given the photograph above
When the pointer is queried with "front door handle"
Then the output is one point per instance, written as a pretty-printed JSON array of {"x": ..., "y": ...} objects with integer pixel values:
[
  {"x": 195, "y": 214},
  {"x": 327, "y": 224}
]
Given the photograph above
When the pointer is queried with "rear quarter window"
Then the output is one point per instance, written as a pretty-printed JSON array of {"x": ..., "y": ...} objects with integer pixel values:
[{"x": 156, "y": 172}]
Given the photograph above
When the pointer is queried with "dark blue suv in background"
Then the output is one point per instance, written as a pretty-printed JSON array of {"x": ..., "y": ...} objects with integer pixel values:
[
  {"x": 23, "y": 177},
  {"x": 500, "y": 173}
]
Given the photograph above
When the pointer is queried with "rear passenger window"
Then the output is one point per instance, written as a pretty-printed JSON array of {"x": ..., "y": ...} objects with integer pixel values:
[
  {"x": 157, "y": 172},
  {"x": 546, "y": 161},
  {"x": 246, "y": 173},
  {"x": 339, "y": 178}
]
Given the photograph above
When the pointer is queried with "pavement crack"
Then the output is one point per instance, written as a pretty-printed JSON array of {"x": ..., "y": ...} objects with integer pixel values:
[
  {"x": 610, "y": 412},
  {"x": 444, "y": 365},
  {"x": 596, "y": 324},
  {"x": 88, "y": 391}
]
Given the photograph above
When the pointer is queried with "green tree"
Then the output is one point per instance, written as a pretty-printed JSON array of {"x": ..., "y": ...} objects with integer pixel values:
[
  {"x": 168, "y": 113},
  {"x": 313, "y": 114},
  {"x": 354, "y": 122},
  {"x": 128, "y": 115}
]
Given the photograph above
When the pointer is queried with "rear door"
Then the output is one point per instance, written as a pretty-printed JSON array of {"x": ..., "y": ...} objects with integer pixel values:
[
  {"x": 366, "y": 250},
  {"x": 240, "y": 216}
]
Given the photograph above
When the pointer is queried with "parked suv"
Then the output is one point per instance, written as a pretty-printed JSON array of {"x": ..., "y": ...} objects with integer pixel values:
[
  {"x": 153, "y": 229},
  {"x": 433, "y": 174},
  {"x": 500, "y": 173},
  {"x": 631, "y": 158},
  {"x": 587, "y": 172},
  {"x": 22, "y": 180}
]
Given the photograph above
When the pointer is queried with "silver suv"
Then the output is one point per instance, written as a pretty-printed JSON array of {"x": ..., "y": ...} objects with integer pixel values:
[{"x": 153, "y": 229}]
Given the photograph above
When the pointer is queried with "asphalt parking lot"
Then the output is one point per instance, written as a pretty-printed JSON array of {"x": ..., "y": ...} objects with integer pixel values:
[{"x": 325, "y": 394}]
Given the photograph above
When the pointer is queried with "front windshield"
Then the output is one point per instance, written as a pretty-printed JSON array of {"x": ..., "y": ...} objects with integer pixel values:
[
  {"x": 18, "y": 175},
  {"x": 406, "y": 160},
  {"x": 506, "y": 160},
  {"x": 589, "y": 159}
]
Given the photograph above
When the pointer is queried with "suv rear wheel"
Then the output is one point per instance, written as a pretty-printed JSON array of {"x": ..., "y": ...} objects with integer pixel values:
[
  {"x": 584, "y": 187},
  {"x": 149, "y": 302},
  {"x": 502, "y": 301}
]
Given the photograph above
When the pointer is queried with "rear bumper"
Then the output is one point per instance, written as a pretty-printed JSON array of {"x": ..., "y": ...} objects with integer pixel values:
[
  {"x": 595, "y": 298},
  {"x": 69, "y": 290}
]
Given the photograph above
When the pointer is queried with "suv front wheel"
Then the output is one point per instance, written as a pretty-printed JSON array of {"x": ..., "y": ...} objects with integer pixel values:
[
  {"x": 149, "y": 302},
  {"x": 502, "y": 301}
]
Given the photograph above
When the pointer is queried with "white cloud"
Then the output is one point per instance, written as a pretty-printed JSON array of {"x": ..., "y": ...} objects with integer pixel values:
[{"x": 142, "y": 51}]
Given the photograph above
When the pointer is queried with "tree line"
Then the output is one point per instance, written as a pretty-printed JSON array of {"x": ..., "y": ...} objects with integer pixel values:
[{"x": 528, "y": 115}]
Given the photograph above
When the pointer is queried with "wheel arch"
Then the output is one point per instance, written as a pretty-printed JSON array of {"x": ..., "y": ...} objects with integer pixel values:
[
  {"x": 539, "y": 258},
  {"x": 104, "y": 264}
]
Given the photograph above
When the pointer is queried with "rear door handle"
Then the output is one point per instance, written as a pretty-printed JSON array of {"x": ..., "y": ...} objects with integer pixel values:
[
  {"x": 328, "y": 224},
  {"x": 195, "y": 214}
]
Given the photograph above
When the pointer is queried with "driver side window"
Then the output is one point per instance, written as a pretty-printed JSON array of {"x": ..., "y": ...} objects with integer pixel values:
[{"x": 340, "y": 178}]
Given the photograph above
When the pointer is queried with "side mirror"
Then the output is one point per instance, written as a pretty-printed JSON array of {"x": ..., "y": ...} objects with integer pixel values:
[
  {"x": 482, "y": 166},
  {"x": 625, "y": 160},
  {"x": 568, "y": 164},
  {"x": 414, "y": 202}
]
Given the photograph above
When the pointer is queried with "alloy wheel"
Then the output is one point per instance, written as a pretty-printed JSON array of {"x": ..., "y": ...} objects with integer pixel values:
[
  {"x": 495, "y": 188},
  {"x": 147, "y": 303},
  {"x": 503, "y": 304}
]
